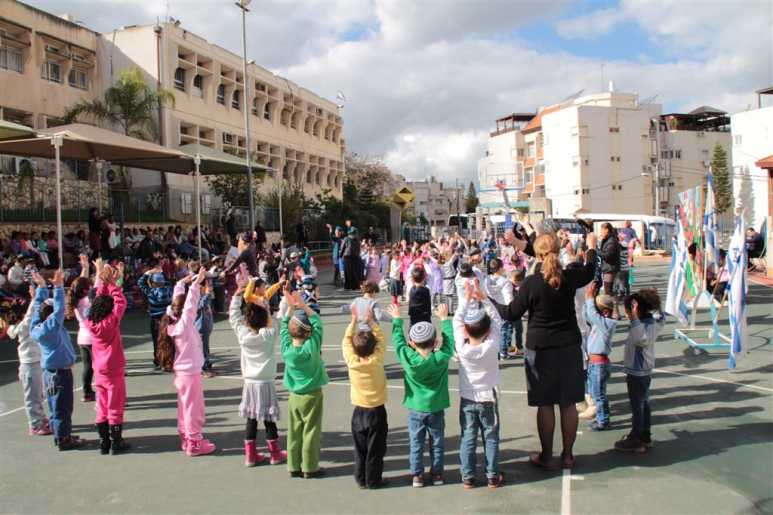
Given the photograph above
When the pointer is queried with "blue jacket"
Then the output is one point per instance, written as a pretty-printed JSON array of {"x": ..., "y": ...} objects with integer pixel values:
[
  {"x": 204, "y": 319},
  {"x": 158, "y": 298},
  {"x": 602, "y": 329},
  {"x": 55, "y": 345}
]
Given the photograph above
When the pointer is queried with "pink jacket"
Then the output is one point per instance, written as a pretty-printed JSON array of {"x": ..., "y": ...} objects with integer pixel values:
[
  {"x": 107, "y": 355},
  {"x": 189, "y": 350}
]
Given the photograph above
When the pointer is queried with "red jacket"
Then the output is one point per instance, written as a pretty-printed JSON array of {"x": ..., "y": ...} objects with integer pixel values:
[{"x": 107, "y": 355}]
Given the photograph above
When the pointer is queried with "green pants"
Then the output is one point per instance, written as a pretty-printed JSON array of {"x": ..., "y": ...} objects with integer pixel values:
[{"x": 304, "y": 434}]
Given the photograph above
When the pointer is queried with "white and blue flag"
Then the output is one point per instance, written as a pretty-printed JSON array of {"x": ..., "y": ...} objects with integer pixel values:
[
  {"x": 736, "y": 297},
  {"x": 710, "y": 228}
]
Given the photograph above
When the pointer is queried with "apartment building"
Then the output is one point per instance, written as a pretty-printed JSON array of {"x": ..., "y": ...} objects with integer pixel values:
[
  {"x": 752, "y": 141},
  {"x": 292, "y": 130},
  {"x": 503, "y": 162},
  {"x": 434, "y": 200}
]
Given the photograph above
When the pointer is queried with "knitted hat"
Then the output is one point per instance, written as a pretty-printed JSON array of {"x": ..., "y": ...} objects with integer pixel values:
[
  {"x": 363, "y": 327},
  {"x": 474, "y": 315},
  {"x": 302, "y": 319},
  {"x": 604, "y": 301},
  {"x": 158, "y": 278},
  {"x": 422, "y": 332}
]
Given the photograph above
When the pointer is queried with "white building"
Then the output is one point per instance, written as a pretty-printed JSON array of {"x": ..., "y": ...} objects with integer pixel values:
[
  {"x": 752, "y": 133},
  {"x": 434, "y": 200},
  {"x": 503, "y": 161}
]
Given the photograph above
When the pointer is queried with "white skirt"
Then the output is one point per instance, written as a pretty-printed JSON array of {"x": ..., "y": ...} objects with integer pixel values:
[{"x": 259, "y": 402}]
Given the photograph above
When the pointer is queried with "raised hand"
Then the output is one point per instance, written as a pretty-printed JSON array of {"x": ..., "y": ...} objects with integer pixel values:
[
  {"x": 590, "y": 291},
  {"x": 38, "y": 279},
  {"x": 201, "y": 276},
  {"x": 393, "y": 310},
  {"x": 355, "y": 315},
  {"x": 442, "y": 311},
  {"x": 58, "y": 280},
  {"x": 591, "y": 240}
]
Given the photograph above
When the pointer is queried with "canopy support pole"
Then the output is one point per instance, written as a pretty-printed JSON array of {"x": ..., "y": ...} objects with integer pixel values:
[
  {"x": 56, "y": 141},
  {"x": 197, "y": 161},
  {"x": 281, "y": 194},
  {"x": 99, "y": 163}
]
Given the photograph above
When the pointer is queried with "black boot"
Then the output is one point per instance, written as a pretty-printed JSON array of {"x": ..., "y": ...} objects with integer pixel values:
[
  {"x": 119, "y": 445},
  {"x": 104, "y": 437}
]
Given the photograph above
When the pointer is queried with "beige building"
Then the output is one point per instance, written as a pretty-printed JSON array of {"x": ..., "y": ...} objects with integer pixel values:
[{"x": 434, "y": 200}]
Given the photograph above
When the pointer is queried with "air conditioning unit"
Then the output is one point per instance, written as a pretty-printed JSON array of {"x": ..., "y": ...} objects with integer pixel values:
[
  {"x": 111, "y": 176},
  {"x": 23, "y": 164}
]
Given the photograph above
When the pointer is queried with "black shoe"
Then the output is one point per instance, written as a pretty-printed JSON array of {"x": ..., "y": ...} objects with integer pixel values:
[
  {"x": 383, "y": 483},
  {"x": 468, "y": 484},
  {"x": 104, "y": 437},
  {"x": 119, "y": 444},
  {"x": 630, "y": 444},
  {"x": 70, "y": 442},
  {"x": 496, "y": 482},
  {"x": 646, "y": 439},
  {"x": 314, "y": 475},
  {"x": 296, "y": 474}
]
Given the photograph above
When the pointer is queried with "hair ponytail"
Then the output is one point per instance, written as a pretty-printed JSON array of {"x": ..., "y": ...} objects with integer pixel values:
[
  {"x": 546, "y": 249},
  {"x": 165, "y": 351}
]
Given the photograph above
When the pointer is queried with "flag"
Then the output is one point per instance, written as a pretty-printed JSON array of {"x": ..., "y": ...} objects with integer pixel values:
[
  {"x": 736, "y": 296},
  {"x": 675, "y": 304},
  {"x": 710, "y": 228}
]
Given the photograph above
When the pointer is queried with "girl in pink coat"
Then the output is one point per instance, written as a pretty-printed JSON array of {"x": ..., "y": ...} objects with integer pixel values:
[
  {"x": 180, "y": 349},
  {"x": 108, "y": 360}
]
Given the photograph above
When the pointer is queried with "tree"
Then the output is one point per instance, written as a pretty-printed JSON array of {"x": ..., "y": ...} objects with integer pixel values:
[
  {"x": 471, "y": 202},
  {"x": 723, "y": 186},
  {"x": 746, "y": 197},
  {"x": 233, "y": 187}
]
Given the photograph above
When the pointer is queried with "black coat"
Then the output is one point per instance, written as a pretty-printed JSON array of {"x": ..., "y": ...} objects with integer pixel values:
[{"x": 610, "y": 255}]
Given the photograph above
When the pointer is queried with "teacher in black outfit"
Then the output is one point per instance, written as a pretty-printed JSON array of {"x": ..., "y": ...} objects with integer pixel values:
[
  {"x": 554, "y": 368},
  {"x": 350, "y": 250}
]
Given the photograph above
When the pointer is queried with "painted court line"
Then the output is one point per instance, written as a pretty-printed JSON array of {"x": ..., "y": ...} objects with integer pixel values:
[
  {"x": 566, "y": 492},
  {"x": 709, "y": 379},
  {"x": 4, "y": 413}
]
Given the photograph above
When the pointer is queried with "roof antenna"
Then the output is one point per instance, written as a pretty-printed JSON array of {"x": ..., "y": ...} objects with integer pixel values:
[{"x": 166, "y": 18}]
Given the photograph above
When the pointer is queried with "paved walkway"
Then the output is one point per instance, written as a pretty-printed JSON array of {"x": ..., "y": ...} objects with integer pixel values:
[{"x": 712, "y": 428}]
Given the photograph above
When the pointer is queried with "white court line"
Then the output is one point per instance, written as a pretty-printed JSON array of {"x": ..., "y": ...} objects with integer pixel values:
[
  {"x": 22, "y": 407},
  {"x": 566, "y": 492},
  {"x": 709, "y": 379}
]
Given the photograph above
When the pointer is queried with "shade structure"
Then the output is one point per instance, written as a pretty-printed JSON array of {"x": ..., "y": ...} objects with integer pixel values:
[{"x": 10, "y": 130}]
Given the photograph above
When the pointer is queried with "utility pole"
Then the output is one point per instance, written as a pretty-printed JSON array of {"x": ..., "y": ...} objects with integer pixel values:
[
  {"x": 247, "y": 105},
  {"x": 657, "y": 166}
]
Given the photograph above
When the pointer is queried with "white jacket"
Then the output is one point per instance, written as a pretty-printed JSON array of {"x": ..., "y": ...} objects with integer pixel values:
[{"x": 478, "y": 364}]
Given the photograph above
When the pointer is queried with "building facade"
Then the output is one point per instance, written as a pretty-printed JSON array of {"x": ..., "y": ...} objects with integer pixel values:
[
  {"x": 503, "y": 162},
  {"x": 433, "y": 200}
]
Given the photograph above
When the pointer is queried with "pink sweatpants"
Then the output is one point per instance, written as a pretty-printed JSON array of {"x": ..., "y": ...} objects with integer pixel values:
[
  {"x": 111, "y": 397},
  {"x": 190, "y": 405}
]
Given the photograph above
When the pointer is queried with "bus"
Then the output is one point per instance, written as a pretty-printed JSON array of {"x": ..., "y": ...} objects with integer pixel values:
[
  {"x": 459, "y": 223},
  {"x": 654, "y": 232}
]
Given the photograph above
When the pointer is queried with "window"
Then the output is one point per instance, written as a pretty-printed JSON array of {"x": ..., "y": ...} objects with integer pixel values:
[
  {"x": 186, "y": 203},
  {"x": 78, "y": 79},
  {"x": 575, "y": 161},
  {"x": 228, "y": 138},
  {"x": 677, "y": 154},
  {"x": 11, "y": 59},
  {"x": 614, "y": 129},
  {"x": 738, "y": 139},
  {"x": 198, "y": 85},
  {"x": 179, "y": 79},
  {"x": 51, "y": 71},
  {"x": 206, "y": 203},
  {"x": 221, "y": 94},
  {"x": 529, "y": 175},
  {"x": 267, "y": 111},
  {"x": 530, "y": 149},
  {"x": 520, "y": 152},
  {"x": 236, "y": 99}
]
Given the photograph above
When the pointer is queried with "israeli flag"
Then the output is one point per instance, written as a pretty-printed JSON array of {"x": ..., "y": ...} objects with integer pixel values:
[
  {"x": 675, "y": 304},
  {"x": 710, "y": 227},
  {"x": 736, "y": 297}
]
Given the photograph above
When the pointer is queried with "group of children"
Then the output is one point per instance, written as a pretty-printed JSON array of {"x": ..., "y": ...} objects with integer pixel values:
[{"x": 476, "y": 333}]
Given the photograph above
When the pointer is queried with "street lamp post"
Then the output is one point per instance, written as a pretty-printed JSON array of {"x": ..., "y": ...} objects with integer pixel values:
[{"x": 243, "y": 4}]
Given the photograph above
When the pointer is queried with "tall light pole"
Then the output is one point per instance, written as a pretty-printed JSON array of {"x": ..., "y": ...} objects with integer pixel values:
[{"x": 242, "y": 4}]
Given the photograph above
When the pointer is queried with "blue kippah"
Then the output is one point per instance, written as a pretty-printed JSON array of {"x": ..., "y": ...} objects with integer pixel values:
[
  {"x": 302, "y": 319},
  {"x": 422, "y": 332},
  {"x": 473, "y": 316}
]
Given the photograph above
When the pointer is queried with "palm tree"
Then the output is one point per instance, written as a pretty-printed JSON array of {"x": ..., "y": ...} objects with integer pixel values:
[{"x": 130, "y": 103}]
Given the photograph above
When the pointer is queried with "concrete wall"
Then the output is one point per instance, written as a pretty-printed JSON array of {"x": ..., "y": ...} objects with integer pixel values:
[{"x": 752, "y": 133}]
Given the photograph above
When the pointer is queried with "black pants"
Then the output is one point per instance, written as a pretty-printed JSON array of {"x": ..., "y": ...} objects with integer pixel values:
[
  {"x": 154, "y": 323},
  {"x": 336, "y": 274},
  {"x": 352, "y": 273},
  {"x": 369, "y": 432},
  {"x": 251, "y": 430},
  {"x": 88, "y": 371}
]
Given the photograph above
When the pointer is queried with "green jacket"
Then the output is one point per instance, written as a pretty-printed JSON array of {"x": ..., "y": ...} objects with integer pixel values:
[
  {"x": 426, "y": 379},
  {"x": 304, "y": 368}
]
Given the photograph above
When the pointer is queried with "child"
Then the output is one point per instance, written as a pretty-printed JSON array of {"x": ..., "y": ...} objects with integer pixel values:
[
  {"x": 426, "y": 388},
  {"x": 516, "y": 278},
  {"x": 30, "y": 372},
  {"x": 78, "y": 304},
  {"x": 500, "y": 292},
  {"x": 448, "y": 264},
  {"x": 643, "y": 310},
  {"x": 158, "y": 292},
  {"x": 204, "y": 325},
  {"x": 256, "y": 292},
  {"x": 257, "y": 339},
  {"x": 395, "y": 281},
  {"x": 47, "y": 328},
  {"x": 104, "y": 324},
  {"x": 304, "y": 377},
  {"x": 477, "y": 333},
  {"x": 180, "y": 350},
  {"x": 367, "y": 303},
  {"x": 599, "y": 310},
  {"x": 310, "y": 292},
  {"x": 420, "y": 300},
  {"x": 363, "y": 349}
]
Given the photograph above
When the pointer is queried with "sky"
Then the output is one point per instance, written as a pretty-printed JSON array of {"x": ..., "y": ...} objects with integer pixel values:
[{"x": 424, "y": 80}]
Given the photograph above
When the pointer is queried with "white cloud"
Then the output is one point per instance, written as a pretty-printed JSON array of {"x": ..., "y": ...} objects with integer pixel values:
[{"x": 590, "y": 25}]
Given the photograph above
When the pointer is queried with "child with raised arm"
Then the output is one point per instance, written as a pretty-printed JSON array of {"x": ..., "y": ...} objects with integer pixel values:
[
  {"x": 47, "y": 328},
  {"x": 104, "y": 324},
  {"x": 158, "y": 294},
  {"x": 78, "y": 304},
  {"x": 19, "y": 318},
  {"x": 363, "y": 349},
  {"x": 367, "y": 303},
  {"x": 304, "y": 377},
  {"x": 425, "y": 379},
  {"x": 257, "y": 339},
  {"x": 643, "y": 310},
  {"x": 477, "y": 333},
  {"x": 180, "y": 350}
]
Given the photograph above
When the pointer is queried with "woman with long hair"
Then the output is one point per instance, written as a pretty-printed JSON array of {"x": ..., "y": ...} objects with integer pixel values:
[
  {"x": 78, "y": 304},
  {"x": 554, "y": 369},
  {"x": 609, "y": 250}
]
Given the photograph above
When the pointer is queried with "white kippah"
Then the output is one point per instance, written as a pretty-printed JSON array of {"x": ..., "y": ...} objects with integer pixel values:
[
  {"x": 473, "y": 316},
  {"x": 422, "y": 332}
]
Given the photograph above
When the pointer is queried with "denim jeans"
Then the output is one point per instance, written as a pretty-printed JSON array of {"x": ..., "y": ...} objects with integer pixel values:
[
  {"x": 506, "y": 336},
  {"x": 205, "y": 345},
  {"x": 60, "y": 401},
  {"x": 518, "y": 328},
  {"x": 483, "y": 416},
  {"x": 419, "y": 423},
  {"x": 598, "y": 375},
  {"x": 639, "y": 397},
  {"x": 155, "y": 322}
]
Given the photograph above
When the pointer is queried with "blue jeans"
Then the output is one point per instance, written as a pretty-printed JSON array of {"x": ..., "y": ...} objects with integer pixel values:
[
  {"x": 419, "y": 423},
  {"x": 483, "y": 416},
  {"x": 598, "y": 375},
  {"x": 205, "y": 344},
  {"x": 639, "y": 397},
  {"x": 518, "y": 327},
  {"x": 60, "y": 401},
  {"x": 506, "y": 336}
]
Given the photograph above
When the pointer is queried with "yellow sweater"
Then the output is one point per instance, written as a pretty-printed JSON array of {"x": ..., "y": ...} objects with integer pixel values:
[
  {"x": 366, "y": 374},
  {"x": 254, "y": 298}
]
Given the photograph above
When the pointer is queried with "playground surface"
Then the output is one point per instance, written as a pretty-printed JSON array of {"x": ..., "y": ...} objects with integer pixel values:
[{"x": 712, "y": 428}]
